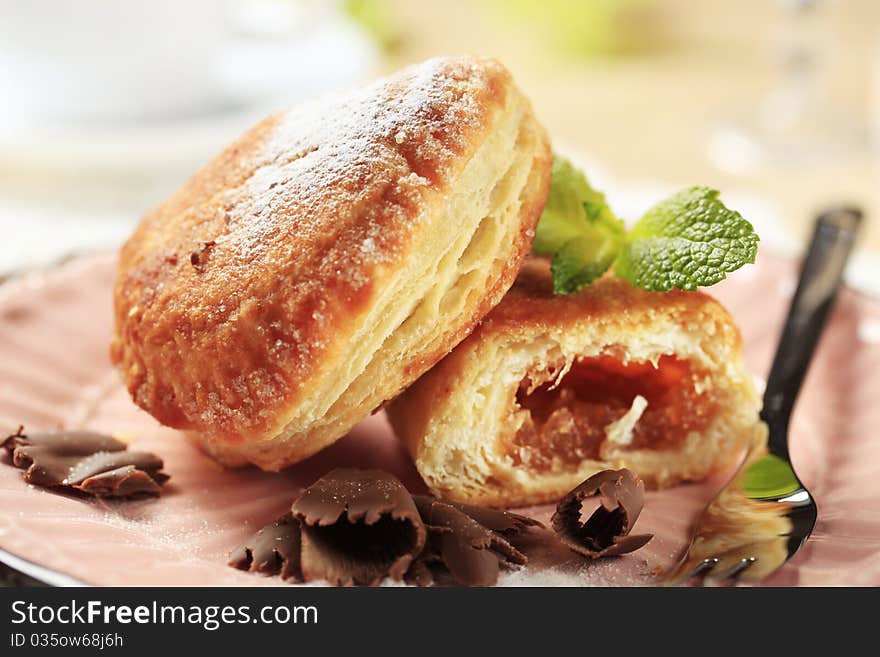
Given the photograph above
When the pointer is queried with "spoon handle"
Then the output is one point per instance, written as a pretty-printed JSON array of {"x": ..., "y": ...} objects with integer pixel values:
[{"x": 820, "y": 278}]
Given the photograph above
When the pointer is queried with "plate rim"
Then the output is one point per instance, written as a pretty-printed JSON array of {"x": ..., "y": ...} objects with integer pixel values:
[{"x": 41, "y": 574}]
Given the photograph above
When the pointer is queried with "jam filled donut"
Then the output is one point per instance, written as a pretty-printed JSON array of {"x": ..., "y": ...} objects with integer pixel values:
[
  {"x": 328, "y": 258},
  {"x": 551, "y": 389}
]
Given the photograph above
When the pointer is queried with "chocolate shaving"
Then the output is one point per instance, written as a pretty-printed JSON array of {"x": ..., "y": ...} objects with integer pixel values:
[
  {"x": 497, "y": 520},
  {"x": 606, "y": 531},
  {"x": 273, "y": 550},
  {"x": 357, "y": 527},
  {"x": 84, "y": 461},
  {"x": 469, "y": 548},
  {"x": 419, "y": 573},
  {"x": 199, "y": 257}
]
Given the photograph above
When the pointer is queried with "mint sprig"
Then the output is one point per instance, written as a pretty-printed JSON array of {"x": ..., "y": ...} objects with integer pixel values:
[{"x": 686, "y": 241}]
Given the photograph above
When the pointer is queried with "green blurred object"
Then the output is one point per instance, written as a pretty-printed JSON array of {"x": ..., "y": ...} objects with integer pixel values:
[
  {"x": 376, "y": 18},
  {"x": 769, "y": 477},
  {"x": 591, "y": 27}
]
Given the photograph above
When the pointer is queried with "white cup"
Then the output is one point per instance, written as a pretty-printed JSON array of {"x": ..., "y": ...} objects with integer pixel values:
[{"x": 94, "y": 60}]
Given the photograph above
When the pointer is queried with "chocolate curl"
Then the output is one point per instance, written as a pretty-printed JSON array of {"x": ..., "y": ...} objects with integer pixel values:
[
  {"x": 85, "y": 461},
  {"x": 504, "y": 522},
  {"x": 468, "y": 540},
  {"x": 419, "y": 573},
  {"x": 357, "y": 527},
  {"x": 273, "y": 550},
  {"x": 606, "y": 532}
]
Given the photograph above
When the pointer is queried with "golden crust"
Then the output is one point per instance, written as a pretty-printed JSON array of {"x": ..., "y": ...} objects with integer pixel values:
[
  {"x": 458, "y": 419},
  {"x": 240, "y": 300}
]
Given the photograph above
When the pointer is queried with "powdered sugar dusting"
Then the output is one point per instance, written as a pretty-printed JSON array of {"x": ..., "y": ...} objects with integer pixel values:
[{"x": 307, "y": 214}]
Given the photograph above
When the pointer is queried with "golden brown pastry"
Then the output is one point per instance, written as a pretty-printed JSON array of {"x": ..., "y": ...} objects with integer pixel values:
[
  {"x": 548, "y": 390},
  {"x": 328, "y": 258}
]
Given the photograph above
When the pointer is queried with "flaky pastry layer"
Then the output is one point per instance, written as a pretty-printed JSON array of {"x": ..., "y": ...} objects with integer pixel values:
[
  {"x": 328, "y": 258},
  {"x": 471, "y": 422}
]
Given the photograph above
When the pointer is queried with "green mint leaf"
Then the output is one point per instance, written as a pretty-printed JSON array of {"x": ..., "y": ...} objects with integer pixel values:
[
  {"x": 572, "y": 208},
  {"x": 578, "y": 229},
  {"x": 582, "y": 260},
  {"x": 770, "y": 477},
  {"x": 689, "y": 240}
]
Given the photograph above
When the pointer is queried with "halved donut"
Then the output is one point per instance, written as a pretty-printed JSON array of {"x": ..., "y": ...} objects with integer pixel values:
[{"x": 551, "y": 389}]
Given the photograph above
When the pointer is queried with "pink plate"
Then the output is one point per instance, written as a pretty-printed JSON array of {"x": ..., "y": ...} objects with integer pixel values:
[{"x": 54, "y": 373}]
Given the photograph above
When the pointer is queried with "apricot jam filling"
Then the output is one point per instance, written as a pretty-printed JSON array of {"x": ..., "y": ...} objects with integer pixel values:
[{"x": 567, "y": 423}]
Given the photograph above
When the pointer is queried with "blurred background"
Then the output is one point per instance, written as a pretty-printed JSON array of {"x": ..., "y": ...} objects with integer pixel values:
[{"x": 108, "y": 105}]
